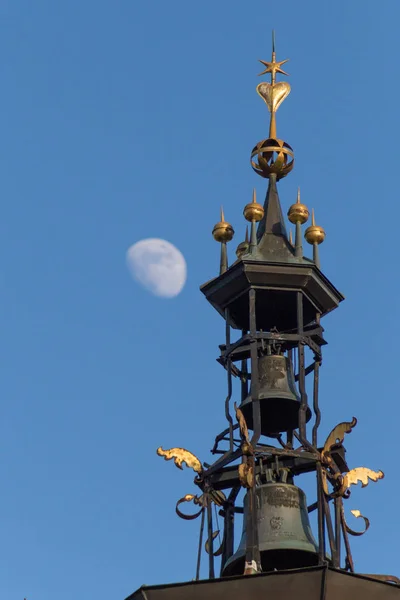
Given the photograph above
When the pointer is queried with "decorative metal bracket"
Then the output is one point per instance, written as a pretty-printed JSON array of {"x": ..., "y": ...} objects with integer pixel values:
[
  {"x": 207, "y": 545},
  {"x": 217, "y": 497},
  {"x": 357, "y": 514}
]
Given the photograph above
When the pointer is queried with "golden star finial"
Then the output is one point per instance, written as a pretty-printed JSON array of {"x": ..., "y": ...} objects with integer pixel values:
[{"x": 273, "y": 66}]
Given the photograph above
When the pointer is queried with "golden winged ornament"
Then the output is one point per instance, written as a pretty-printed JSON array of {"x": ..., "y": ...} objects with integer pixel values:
[
  {"x": 361, "y": 474},
  {"x": 336, "y": 436},
  {"x": 180, "y": 456}
]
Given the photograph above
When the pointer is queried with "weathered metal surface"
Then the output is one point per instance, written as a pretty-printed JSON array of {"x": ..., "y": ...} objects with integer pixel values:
[
  {"x": 305, "y": 584},
  {"x": 276, "y": 297},
  {"x": 285, "y": 538}
]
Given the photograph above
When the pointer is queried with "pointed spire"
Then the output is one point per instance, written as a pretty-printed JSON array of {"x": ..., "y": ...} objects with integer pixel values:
[
  {"x": 273, "y": 243},
  {"x": 272, "y": 222},
  {"x": 291, "y": 237}
]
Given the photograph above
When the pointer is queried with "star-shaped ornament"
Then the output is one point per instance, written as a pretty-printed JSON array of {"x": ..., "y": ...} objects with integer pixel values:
[{"x": 273, "y": 67}]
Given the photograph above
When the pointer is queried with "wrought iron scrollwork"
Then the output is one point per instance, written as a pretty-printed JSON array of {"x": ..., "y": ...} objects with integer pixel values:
[
  {"x": 217, "y": 552},
  {"x": 357, "y": 514},
  {"x": 215, "y": 496}
]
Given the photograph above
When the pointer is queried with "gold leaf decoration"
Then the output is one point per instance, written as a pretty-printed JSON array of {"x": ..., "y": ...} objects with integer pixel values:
[
  {"x": 207, "y": 545},
  {"x": 242, "y": 424},
  {"x": 180, "y": 456},
  {"x": 273, "y": 94},
  {"x": 361, "y": 474},
  {"x": 336, "y": 436}
]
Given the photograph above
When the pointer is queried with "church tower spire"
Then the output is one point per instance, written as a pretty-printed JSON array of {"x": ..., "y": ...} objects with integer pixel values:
[{"x": 273, "y": 298}]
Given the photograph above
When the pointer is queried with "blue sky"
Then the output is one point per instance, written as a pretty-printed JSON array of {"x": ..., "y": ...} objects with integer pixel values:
[{"x": 124, "y": 120}]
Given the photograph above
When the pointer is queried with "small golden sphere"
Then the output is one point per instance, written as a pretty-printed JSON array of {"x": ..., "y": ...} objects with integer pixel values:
[
  {"x": 298, "y": 213},
  {"x": 223, "y": 232},
  {"x": 314, "y": 234},
  {"x": 253, "y": 211},
  {"x": 242, "y": 249}
]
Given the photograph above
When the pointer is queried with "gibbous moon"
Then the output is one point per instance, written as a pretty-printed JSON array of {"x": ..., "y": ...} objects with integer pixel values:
[{"x": 158, "y": 266}]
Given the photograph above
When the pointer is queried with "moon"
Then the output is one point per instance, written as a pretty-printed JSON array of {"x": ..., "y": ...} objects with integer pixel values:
[{"x": 158, "y": 266}]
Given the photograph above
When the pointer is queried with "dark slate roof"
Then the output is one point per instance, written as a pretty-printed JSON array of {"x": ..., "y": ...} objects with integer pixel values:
[{"x": 314, "y": 583}]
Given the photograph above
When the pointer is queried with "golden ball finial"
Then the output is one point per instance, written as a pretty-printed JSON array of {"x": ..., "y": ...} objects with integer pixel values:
[
  {"x": 243, "y": 247},
  {"x": 223, "y": 231},
  {"x": 298, "y": 212},
  {"x": 314, "y": 234},
  {"x": 253, "y": 211}
]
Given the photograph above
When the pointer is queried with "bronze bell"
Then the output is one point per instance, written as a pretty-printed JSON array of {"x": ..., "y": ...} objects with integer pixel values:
[
  {"x": 279, "y": 400},
  {"x": 285, "y": 538}
]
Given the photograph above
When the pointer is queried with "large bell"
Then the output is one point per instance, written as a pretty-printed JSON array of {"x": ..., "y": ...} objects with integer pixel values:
[
  {"x": 279, "y": 400},
  {"x": 285, "y": 538}
]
